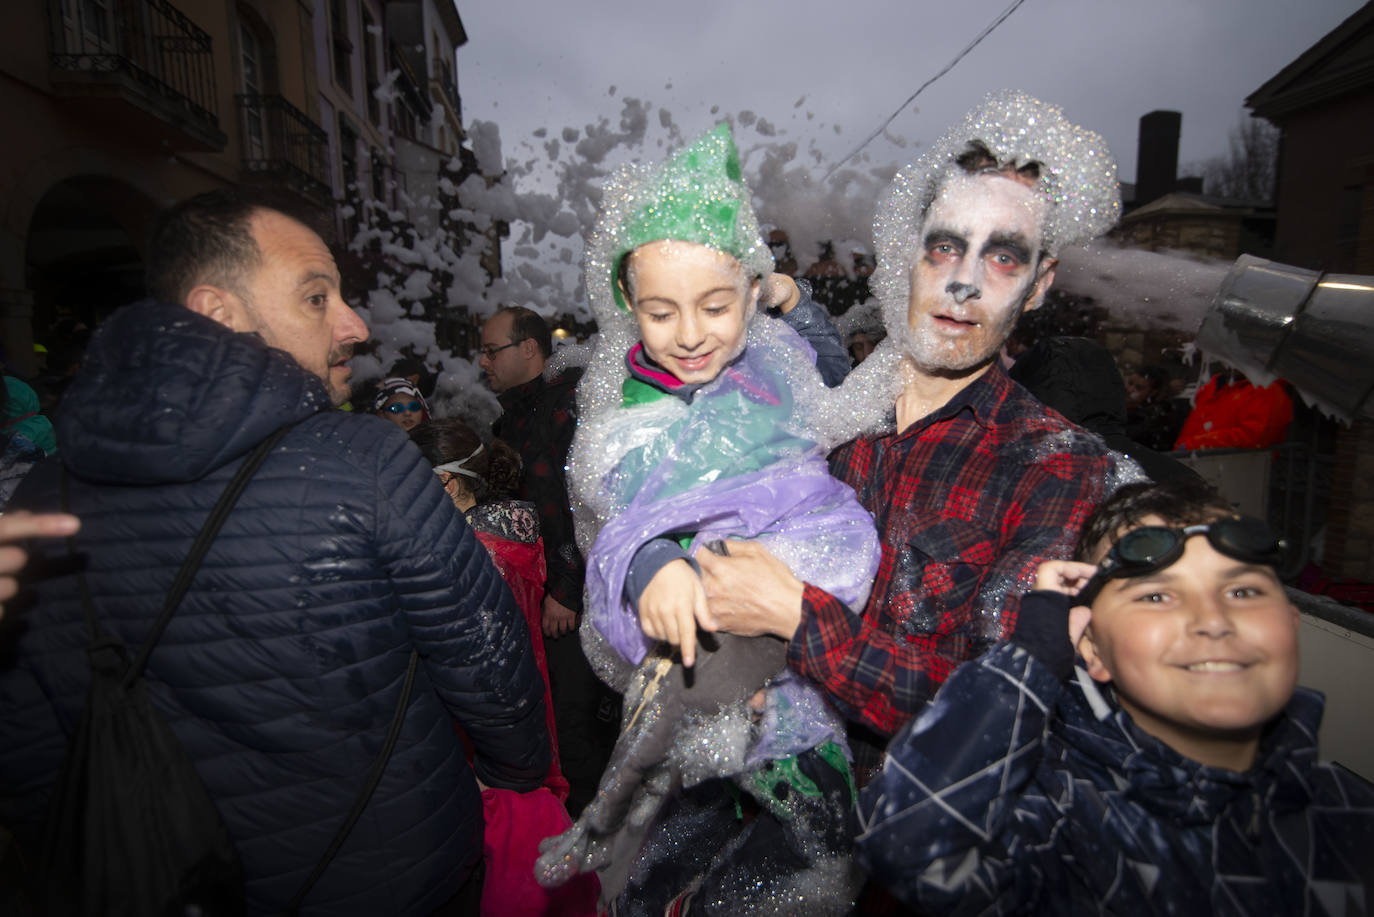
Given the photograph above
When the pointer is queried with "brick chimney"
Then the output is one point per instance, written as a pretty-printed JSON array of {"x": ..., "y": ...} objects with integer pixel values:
[{"x": 1156, "y": 165}]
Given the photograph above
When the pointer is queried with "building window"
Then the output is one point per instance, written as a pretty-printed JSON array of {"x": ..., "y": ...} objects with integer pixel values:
[
  {"x": 403, "y": 119},
  {"x": 88, "y": 20},
  {"x": 348, "y": 156},
  {"x": 256, "y": 74},
  {"x": 343, "y": 46},
  {"x": 378, "y": 176},
  {"x": 369, "y": 40}
]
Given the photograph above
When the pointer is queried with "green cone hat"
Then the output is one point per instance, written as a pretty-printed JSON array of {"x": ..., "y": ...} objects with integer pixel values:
[{"x": 697, "y": 196}]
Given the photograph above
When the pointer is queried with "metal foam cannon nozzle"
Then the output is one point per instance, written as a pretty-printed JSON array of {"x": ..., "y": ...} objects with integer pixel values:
[{"x": 1272, "y": 320}]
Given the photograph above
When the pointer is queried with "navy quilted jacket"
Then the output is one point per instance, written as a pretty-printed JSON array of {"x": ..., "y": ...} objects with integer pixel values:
[
  {"x": 282, "y": 668},
  {"x": 1018, "y": 793}
]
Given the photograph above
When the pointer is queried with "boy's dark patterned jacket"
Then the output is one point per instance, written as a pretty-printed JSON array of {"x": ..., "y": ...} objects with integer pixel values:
[{"x": 1017, "y": 792}]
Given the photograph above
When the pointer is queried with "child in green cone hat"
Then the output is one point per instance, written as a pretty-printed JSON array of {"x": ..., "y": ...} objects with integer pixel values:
[{"x": 703, "y": 421}]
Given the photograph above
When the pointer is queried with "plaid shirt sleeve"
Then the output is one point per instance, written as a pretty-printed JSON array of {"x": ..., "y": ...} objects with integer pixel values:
[{"x": 878, "y": 672}]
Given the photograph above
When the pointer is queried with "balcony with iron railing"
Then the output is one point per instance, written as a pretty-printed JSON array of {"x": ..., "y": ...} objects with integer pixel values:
[
  {"x": 283, "y": 145},
  {"x": 450, "y": 90},
  {"x": 140, "y": 64}
]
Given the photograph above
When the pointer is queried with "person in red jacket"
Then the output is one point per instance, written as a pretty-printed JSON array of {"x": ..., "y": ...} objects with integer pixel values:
[
  {"x": 1230, "y": 412},
  {"x": 479, "y": 479}
]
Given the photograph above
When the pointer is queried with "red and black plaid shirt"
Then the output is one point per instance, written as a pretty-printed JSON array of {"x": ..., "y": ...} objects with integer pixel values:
[{"x": 967, "y": 501}]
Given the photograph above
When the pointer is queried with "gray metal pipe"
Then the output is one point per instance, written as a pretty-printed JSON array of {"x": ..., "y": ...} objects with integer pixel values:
[{"x": 1315, "y": 330}]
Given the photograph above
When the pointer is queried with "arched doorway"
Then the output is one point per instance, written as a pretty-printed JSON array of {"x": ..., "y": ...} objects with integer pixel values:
[{"x": 83, "y": 259}]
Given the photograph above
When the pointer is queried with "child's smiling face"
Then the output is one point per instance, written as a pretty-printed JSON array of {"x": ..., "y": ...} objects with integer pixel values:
[
  {"x": 693, "y": 306},
  {"x": 1202, "y": 653}
]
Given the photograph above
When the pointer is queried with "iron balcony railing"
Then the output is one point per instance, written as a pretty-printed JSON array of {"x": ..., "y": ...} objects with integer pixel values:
[
  {"x": 280, "y": 141},
  {"x": 150, "y": 41}
]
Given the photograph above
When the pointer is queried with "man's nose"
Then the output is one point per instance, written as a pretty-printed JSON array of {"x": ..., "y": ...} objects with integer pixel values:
[
  {"x": 962, "y": 292},
  {"x": 967, "y": 282},
  {"x": 352, "y": 329}
]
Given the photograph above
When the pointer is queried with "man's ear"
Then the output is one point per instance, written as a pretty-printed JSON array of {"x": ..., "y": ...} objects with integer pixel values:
[
  {"x": 1042, "y": 284},
  {"x": 218, "y": 304},
  {"x": 1087, "y": 648},
  {"x": 529, "y": 349}
]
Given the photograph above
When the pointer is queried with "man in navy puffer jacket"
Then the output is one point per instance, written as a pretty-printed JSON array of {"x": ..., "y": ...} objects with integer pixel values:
[{"x": 281, "y": 670}]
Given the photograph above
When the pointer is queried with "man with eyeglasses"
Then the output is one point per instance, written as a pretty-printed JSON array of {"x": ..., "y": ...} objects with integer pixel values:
[{"x": 538, "y": 418}]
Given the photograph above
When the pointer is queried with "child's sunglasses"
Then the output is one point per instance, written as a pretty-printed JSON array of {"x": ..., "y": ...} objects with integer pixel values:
[
  {"x": 1154, "y": 547},
  {"x": 413, "y": 407}
]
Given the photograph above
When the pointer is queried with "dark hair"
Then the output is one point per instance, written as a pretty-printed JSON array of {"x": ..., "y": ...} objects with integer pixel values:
[
  {"x": 622, "y": 276},
  {"x": 209, "y": 239},
  {"x": 1180, "y": 502},
  {"x": 497, "y": 466},
  {"x": 528, "y": 325},
  {"x": 977, "y": 158}
]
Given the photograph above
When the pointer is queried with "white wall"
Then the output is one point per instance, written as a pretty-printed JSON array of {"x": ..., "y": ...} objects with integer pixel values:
[{"x": 1340, "y": 663}]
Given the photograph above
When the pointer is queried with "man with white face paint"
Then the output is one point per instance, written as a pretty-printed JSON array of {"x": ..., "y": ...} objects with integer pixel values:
[{"x": 976, "y": 482}]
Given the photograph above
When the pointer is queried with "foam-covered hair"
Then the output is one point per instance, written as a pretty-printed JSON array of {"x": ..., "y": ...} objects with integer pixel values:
[{"x": 1077, "y": 179}]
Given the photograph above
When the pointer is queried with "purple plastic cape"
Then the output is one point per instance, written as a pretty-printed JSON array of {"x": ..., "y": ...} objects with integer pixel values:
[{"x": 734, "y": 463}]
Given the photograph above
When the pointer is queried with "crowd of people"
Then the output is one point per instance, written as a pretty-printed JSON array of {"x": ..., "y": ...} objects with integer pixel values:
[{"x": 739, "y": 618}]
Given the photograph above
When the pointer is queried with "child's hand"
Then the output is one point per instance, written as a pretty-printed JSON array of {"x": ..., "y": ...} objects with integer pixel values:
[
  {"x": 780, "y": 292},
  {"x": 1066, "y": 576},
  {"x": 672, "y": 605}
]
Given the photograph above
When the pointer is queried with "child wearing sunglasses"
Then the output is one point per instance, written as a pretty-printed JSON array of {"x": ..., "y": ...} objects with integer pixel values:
[
  {"x": 399, "y": 401},
  {"x": 1169, "y": 769}
]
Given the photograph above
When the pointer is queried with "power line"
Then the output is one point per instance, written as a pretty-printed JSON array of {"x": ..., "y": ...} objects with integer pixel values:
[{"x": 947, "y": 68}]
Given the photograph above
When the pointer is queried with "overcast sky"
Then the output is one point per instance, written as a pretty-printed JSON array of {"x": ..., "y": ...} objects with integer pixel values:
[
  {"x": 533, "y": 63},
  {"x": 823, "y": 74}
]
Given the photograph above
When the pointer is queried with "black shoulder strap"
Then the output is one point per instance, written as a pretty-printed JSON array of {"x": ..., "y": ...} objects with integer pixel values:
[
  {"x": 201, "y": 546},
  {"x": 213, "y": 523},
  {"x": 374, "y": 777}
]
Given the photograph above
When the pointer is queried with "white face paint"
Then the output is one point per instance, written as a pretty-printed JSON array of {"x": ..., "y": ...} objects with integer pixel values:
[{"x": 977, "y": 268}]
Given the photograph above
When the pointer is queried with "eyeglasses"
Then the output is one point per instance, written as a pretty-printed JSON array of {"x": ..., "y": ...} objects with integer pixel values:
[
  {"x": 1155, "y": 547},
  {"x": 490, "y": 351},
  {"x": 414, "y": 407}
]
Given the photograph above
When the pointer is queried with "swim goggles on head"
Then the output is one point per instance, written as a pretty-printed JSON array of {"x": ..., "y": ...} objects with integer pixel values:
[{"x": 1154, "y": 547}]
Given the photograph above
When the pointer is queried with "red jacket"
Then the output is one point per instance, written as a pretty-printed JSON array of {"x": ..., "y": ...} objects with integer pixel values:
[
  {"x": 509, "y": 530},
  {"x": 1237, "y": 415}
]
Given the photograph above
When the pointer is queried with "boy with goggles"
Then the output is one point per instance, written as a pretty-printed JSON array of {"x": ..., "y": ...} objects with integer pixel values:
[{"x": 1169, "y": 768}]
